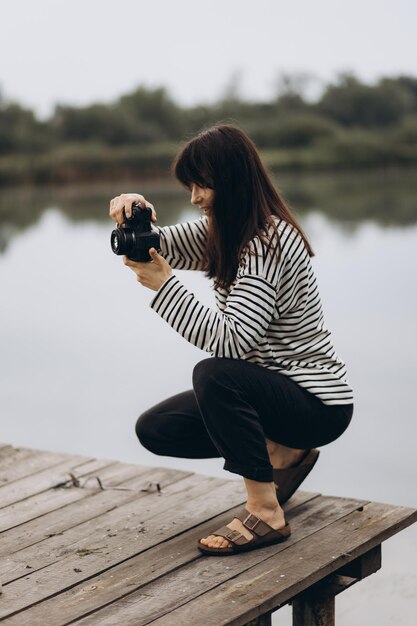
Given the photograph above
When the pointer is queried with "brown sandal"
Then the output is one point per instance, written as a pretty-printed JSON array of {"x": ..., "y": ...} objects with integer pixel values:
[
  {"x": 263, "y": 535},
  {"x": 288, "y": 479}
]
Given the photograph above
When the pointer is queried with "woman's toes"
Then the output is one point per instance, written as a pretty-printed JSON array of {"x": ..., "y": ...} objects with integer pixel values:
[
  {"x": 219, "y": 542},
  {"x": 205, "y": 540},
  {"x": 215, "y": 541}
]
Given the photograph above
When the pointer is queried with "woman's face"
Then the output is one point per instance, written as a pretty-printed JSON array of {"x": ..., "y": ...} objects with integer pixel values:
[{"x": 203, "y": 197}]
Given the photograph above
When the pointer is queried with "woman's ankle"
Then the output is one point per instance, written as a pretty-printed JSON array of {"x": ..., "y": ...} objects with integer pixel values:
[
  {"x": 281, "y": 456},
  {"x": 261, "y": 494},
  {"x": 274, "y": 514}
]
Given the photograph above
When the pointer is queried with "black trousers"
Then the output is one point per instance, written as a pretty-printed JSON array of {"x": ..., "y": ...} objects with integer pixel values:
[{"x": 233, "y": 406}]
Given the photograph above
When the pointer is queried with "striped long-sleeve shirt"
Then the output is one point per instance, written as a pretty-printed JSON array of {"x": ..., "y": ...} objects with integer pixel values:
[{"x": 271, "y": 314}]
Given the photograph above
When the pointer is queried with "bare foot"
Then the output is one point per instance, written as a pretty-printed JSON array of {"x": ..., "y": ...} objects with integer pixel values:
[{"x": 274, "y": 518}]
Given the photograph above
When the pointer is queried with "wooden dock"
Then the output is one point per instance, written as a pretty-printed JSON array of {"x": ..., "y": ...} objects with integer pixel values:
[{"x": 87, "y": 541}]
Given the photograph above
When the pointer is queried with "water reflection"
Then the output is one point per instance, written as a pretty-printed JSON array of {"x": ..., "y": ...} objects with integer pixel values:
[
  {"x": 83, "y": 355},
  {"x": 386, "y": 198},
  {"x": 70, "y": 310}
]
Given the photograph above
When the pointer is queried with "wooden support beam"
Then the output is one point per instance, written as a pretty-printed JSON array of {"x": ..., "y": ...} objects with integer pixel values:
[
  {"x": 364, "y": 565},
  {"x": 262, "y": 620},
  {"x": 316, "y": 605},
  {"x": 312, "y": 613}
]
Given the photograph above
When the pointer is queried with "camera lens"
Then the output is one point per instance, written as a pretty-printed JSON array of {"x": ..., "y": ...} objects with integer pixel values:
[
  {"x": 135, "y": 236},
  {"x": 122, "y": 240}
]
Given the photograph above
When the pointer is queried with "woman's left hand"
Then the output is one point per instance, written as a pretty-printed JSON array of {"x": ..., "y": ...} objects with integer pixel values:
[{"x": 153, "y": 273}]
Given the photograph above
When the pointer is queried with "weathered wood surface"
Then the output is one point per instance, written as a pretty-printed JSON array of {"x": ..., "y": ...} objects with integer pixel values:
[{"x": 125, "y": 552}]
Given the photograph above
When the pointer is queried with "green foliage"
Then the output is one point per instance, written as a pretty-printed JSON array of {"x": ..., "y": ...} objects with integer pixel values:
[
  {"x": 351, "y": 125},
  {"x": 351, "y": 103},
  {"x": 153, "y": 113},
  {"x": 143, "y": 117},
  {"x": 21, "y": 132},
  {"x": 407, "y": 83},
  {"x": 95, "y": 123},
  {"x": 290, "y": 130},
  {"x": 406, "y": 131}
]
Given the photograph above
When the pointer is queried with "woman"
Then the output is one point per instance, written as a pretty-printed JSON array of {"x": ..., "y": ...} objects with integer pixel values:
[{"x": 274, "y": 388}]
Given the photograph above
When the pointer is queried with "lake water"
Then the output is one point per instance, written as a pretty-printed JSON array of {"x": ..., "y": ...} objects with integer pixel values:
[{"x": 82, "y": 353}]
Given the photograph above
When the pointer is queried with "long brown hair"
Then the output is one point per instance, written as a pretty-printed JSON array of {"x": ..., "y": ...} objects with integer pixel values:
[{"x": 222, "y": 157}]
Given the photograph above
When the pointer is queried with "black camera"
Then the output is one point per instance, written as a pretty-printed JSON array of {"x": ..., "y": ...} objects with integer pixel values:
[{"x": 135, "y": 236}]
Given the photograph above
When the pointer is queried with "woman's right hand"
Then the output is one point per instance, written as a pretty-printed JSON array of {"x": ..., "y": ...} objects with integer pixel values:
[{"x": 121, "y": 206}]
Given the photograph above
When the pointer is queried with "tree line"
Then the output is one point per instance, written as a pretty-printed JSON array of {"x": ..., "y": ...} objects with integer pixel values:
[{"x": 351, "y": 124}]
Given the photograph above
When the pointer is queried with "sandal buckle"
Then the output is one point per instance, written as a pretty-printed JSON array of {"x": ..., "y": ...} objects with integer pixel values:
[
  {"x": 234, "y": 534},
  {"x": 245, "y": 521}
]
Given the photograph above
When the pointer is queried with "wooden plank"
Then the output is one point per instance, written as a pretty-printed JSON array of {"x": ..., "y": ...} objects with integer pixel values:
[
  {"x": 136, "y": 570},
  {"x": 110, "y": 473},
  {"x": 18, "y": 463},
  {"x": 162, "y": 596},
  {"x": 131, "y": 574},
  {"x": 53, "y": 531},
  {"x": 86, "y": 522},
  {"x": 41, "y": 503},
  {"x": 7, "y": 452},
  {"x": 40, "y": 480},
  {"x": 122, "y": 533},
  {"x": 267, "y": 585},
  {"x": 174, "y": 564},
  {"x": 119, "y": 579},
  {"x": 6, "y": 449}
]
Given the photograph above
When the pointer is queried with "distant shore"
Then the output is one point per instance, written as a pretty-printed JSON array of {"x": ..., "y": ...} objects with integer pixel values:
[
  {"x": 351, "y": 126},
  {"x": 95, "y": 163}
]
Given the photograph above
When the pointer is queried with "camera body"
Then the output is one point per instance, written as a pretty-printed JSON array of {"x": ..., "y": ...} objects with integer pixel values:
[{"x": 135, "y": 236}]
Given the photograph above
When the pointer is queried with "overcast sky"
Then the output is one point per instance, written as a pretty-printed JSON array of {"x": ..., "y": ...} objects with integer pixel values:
[{"x": 83, "y": 51}]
